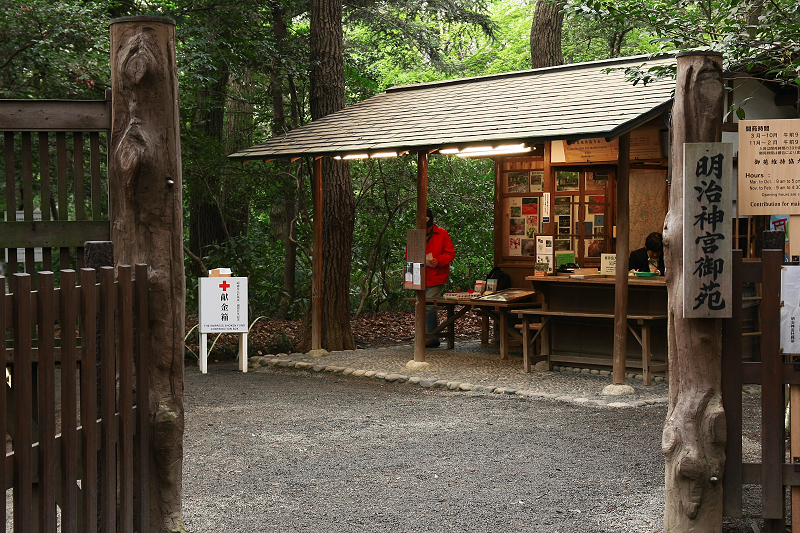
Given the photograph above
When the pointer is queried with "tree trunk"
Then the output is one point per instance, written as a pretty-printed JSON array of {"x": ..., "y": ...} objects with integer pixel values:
[
  {"x": 284, "y": 209},
  {"x": 694, "y": 433},
  {"x": 146, "y": 213},
  {"x": 546, "y": 34},
  {"x": 338, "y": 202}
]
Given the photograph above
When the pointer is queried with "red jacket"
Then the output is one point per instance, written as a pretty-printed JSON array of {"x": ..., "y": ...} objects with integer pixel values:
[{"x": 442, "y": 249}]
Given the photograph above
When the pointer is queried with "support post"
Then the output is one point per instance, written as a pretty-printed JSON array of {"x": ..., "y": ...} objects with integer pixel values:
[
  {"x": 146, "y": 215},
  {"x": 316, "y": 266},
  {"x": 694, "y": 437},
  {"x": 419, "y": 306},
  {"x": 623, "y": 247}
]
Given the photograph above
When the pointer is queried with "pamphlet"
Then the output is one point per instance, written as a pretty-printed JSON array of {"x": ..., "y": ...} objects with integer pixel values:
[{"x": 428, "y": 259}]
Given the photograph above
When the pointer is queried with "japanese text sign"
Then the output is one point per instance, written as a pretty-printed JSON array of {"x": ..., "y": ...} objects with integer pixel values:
[
  {"x": 223, "y": 305},
  {"x": 790, "y": 309},
  {"x": 707, "y": 212},
  {"x": 769, "y": 167}
]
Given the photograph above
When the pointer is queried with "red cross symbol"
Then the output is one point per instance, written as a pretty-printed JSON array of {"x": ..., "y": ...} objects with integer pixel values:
[{"x": 224, "y": 285}]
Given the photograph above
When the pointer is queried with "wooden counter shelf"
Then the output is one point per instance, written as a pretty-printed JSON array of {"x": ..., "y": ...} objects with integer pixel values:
[{"x": 577, "y": 306}]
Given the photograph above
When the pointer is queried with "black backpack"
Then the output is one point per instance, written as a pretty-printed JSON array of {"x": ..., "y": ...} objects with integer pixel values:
[{"x": 503, "y": 279}]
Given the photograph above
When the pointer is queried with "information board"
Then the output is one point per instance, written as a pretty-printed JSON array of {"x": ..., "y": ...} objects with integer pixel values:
[
  {"x": 707, "y": 211},
  {"x": 769, "y": 167}
]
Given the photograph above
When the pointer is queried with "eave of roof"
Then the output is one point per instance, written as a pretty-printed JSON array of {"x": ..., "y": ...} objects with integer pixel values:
[{"x": 565, "y": 102}]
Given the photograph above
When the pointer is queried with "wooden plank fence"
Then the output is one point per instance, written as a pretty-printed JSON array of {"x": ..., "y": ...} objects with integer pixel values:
[
  {"x": 68, "y": 434},
  {"x": 772, "y": 473},
  {"x": 55, "y": 166}
]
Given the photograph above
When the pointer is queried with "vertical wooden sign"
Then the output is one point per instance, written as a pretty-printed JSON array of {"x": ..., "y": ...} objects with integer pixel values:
[{"x": 707, "y": 212}]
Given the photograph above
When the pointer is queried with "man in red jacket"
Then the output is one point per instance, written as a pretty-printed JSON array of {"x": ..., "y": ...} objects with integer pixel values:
[{"x": 439, "y": 252}]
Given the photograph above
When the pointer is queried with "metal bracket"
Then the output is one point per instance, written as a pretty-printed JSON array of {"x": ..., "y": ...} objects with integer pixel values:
[
  {"x": 796, "y": 363},
  {"x": 796, "y": 462}
]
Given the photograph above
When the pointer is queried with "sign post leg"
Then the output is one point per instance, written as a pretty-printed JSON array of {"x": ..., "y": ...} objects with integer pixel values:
[
  {"x": 243, "y": 352},
  {"x": 204, "y": 353}
]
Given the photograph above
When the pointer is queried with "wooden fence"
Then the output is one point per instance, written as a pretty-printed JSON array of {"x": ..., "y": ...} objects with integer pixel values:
[
  {"x": 771, "y": 372},
  {"x": 82, "y": 444},
  {"x": 56, "y": 191}
]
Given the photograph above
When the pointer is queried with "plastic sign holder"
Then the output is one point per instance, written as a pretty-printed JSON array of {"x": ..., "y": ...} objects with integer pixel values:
[{"x": 223, "y": 309}]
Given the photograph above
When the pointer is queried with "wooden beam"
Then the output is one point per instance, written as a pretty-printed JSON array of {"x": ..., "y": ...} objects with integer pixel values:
[
  {"x": 419, "y": 306},
  {"x": 623, "y": 247},
  {"x": 53, "y": 233},
  {"x": 55, "y": 115},
  {"x": 316, "y": 267}
]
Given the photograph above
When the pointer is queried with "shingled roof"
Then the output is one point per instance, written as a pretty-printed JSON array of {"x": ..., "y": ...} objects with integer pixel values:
[{"x": 566, "y": 102}]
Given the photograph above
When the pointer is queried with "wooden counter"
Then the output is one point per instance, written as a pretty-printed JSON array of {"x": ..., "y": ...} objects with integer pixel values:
[{"x": 577, "y": 333}]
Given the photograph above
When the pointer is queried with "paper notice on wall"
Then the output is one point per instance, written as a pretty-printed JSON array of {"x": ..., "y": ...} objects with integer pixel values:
[
  {"x": 545, "y": 207},
  {"x": 790, "y": 309},
  {"x": 417, "y": 274}
]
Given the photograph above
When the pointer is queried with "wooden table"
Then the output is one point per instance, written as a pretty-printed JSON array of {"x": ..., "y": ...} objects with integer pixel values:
[
  {"x": 499, "y": 311},
  {"x": 577, "y": 321}
]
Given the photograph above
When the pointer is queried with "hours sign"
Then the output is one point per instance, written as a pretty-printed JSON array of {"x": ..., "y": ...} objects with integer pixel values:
[{"x": 769, "y": 167}]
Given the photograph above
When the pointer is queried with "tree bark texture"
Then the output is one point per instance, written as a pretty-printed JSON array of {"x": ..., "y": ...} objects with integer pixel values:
[
  {"x": 694, "y": 432},
  {"x": 338, "y": 202},
  {"x": 147, "y": 227},
  {"x": 546, "y": 34}
]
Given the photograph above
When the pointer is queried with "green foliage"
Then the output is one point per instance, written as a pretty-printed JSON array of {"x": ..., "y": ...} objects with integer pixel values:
[
  {"x": 757, "y": 39},
  {"x": 53, "y": 49}
]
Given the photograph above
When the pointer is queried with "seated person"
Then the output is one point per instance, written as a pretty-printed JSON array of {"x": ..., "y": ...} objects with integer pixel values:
[{"x": 651, "y": 257}]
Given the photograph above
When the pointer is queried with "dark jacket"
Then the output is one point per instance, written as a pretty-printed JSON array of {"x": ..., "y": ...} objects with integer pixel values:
[{"x": 639, "y": 261}]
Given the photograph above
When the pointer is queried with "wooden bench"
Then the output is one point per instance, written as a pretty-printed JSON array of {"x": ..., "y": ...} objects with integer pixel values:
[{"x": 531, "y": 331}]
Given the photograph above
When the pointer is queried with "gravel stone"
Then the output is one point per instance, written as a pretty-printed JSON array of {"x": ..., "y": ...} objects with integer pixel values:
[{"x": 433, "y": 460}]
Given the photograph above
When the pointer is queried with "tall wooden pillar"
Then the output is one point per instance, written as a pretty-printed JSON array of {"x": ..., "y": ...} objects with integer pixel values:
[
  {"x": 316, "y": 266},
  {"x": 419, "y": 306},
  {"x": 623, "y": 247},
  {"x": 146, "y": 214},
  {"x": 694, "y": 432}
]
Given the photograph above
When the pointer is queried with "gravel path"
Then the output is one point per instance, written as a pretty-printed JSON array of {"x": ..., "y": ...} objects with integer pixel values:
[{"x": 288, "y": 449}]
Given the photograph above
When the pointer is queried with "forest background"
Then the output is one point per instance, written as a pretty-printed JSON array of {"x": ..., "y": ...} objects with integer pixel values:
[{"x": 245, "y": 76}]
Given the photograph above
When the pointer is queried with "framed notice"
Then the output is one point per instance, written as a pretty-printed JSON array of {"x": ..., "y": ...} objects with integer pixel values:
[
  {"x": 769, "y": 167},
  {"x": 707, "y": 232}
]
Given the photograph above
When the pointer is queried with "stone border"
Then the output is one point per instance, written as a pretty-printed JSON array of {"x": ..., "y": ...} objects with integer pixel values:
[
  {"x": 444, "y": 384},
  {"x": 628, "y": 375}
]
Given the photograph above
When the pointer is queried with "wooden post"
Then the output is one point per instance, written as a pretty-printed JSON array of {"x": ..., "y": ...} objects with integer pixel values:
[
  {"x": 623, "y": 249},
  {"x": 419, "y": 306},
  {"x": 694, "y": 433},
  {"x": 316, "y": 266},
  {"x": 146, "y": 214}
]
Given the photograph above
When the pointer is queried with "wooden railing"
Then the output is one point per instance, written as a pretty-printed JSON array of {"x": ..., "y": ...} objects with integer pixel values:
[
  {"x": 82, "y": 444},
  {"x": 55, "y": 184}
]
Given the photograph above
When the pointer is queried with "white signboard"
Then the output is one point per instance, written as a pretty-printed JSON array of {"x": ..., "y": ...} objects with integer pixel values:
[
  {"x": 608, "y": 264},
  {"x": 545, "y": 207},
  {"x": 707, "y": 212},
  {"x": 223, "y": 305},
  {"x": 769, "y": 167},
  {"x": 790, "y": 309}
]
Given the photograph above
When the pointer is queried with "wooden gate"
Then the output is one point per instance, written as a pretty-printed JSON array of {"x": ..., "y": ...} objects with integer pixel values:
[
  {"x": 82, "y": 444},
  {"x": 773, "y": 473},
  {"x": 56, "y": 191}
]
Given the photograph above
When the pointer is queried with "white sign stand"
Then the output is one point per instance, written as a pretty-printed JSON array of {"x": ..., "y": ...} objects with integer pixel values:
[{"x": 223, "y": 309}]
